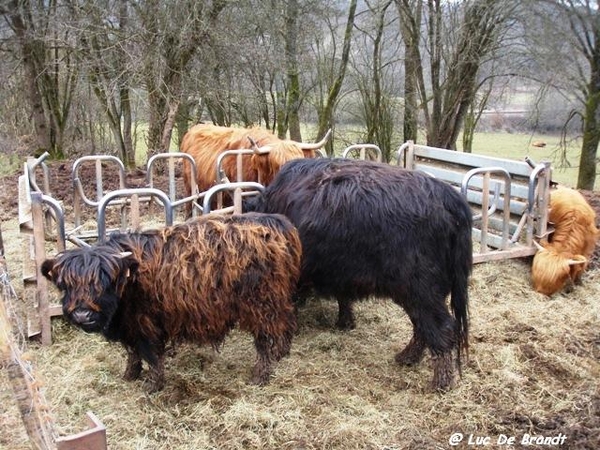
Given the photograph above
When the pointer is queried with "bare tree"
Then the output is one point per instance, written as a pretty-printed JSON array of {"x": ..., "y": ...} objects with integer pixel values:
[
  {"x": 170, "y": 34},
  {"x": 335, "y": 72},
  {"x": 411, "y": 12},
  {"x": 374, "y": 83},
  {"x": 569, "y": 31},
  {"x": 51, "y": 71},
  {"x": 103, "y": 50},
  {"x": 460, "y": 37}
]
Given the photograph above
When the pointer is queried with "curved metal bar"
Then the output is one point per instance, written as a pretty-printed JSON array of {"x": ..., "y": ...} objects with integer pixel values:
[
  {"x": 59, "y": 216},
  {"x": 31, "y": 166},
  {"x": 221, "y": 177},
  {"x": 172, "y": 155},
  {"x": 500, "y": 171},
  {"x": 482, "y": 170},
  {"x": 96, "y": 158},
  {"x": 495, "y": 198},
  {"x": 362, "y": 148},
  {"x": 533, "y": 180},
  {"x": 104, "y": 202},
  {"x": 401, "y": 150},
  {"x": 228, "y": 187},
  {"x": 320, "y": 153}
]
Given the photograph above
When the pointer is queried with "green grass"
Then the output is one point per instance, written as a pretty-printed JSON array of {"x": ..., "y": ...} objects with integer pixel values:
[
  {"x": 9, "y": 164},
  {"x": 518, "y": 146}
]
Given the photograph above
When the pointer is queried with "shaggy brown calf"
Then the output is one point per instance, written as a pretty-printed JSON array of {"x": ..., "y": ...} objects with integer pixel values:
[
  {"x": 205, "y": 142},
  {"x": 189, "y": 282},
  {"x": 565, "y": 257}
]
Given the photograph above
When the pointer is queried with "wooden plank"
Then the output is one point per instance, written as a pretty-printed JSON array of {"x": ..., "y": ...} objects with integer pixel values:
[
  {"x": 516, "y": 207},
  {"x": 55, "y": 310},
  {"x": 492, "y": 240},
  {"x": 472, "y": 160},
  {"x": 455, "y": 177},
  {"x": 496, "y": 255},
  {"x": 485, "y": 213},
  {"x": 92, "y": 439},
  {"x": 39, "y": 243}
]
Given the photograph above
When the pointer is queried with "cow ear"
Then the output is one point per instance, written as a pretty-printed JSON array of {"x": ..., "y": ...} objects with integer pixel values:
[{"x": 47, "y": 267}]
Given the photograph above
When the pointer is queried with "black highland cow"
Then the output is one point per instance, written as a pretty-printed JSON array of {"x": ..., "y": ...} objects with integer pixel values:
[
  {"x": 371, "y": 229},
  {"x": 189, "y": 282}
]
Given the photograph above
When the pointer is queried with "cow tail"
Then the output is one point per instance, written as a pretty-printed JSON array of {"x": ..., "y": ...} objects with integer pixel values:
[{"x": 462, "y": 255}]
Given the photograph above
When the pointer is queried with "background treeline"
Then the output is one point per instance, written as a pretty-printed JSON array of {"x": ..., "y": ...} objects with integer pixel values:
[{"x": 108, "y": 76}]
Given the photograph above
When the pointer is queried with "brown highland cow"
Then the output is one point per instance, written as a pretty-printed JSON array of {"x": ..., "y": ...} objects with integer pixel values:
[
  {"x": 205, "y": 142},
  {"x": 189, "y": 282},
  {"x": 565, "y": 257}
]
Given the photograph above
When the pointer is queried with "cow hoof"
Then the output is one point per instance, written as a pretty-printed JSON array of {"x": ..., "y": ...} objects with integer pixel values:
[
  {"x": 152, "y": 386},
  {"x": 411, "y": 355},
  {"x": 345, "y": 325},
  {"x": 408, "y": 358},
  {"x": 443, "y": 373},
  {"x": 260, "y": 380},
  {"x": 260, "y": 376},
  {"x": 132, "y": 373}
]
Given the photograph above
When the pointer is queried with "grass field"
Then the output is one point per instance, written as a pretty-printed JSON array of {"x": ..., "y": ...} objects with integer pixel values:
[
  {"x": 501, "y": 144},
  {"x": 518, "y": 146}
]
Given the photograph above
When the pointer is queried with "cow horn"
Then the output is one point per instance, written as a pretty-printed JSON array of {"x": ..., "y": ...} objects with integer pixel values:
[
  {"x": 539, "y": 247},
  {"x": 256, "y": 149},
  {"x": 125, "y": 254},
  {"x": 574, "y": 262},
  {"x": 316, "y": 145}
]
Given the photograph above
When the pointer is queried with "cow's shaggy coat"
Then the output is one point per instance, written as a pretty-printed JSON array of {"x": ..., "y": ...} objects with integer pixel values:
[
  {"x": 205, "y": 142},
  {"x": 371, "y": 229},
  {"x": 565, "y": 257},
  {"x": 189, "y": 282}
]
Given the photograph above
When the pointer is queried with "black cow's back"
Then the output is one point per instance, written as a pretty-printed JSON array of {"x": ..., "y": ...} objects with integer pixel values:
[{"x": 367, "y": 227}]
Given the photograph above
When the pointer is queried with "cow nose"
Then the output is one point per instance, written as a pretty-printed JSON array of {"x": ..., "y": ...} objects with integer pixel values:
[{"x": 81, "y": 315}]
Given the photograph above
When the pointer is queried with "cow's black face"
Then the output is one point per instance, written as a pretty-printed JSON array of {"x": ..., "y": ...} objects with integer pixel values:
[{"x": 92, "y": 281}]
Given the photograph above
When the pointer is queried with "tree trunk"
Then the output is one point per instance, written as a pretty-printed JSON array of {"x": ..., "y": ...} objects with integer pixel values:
[
  {"x": 291, "y": 57},
  {"x": 128, "y": 148},
  {"x": 325, "y": 112},
  {"x": 168, "y": 127},
  {"x": 410, "y": 19},
  {"x": 32, "y": 50},
  {"x": 591, "y": 136}
]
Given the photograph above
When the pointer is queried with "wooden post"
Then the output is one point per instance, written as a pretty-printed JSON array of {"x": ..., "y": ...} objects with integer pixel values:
[
  {"x": 39, "y": 242},
  {"x": 92, "y": 439},
  {"x": 29, "y": 401},
  {"x": 485, "y": 204},
  {"x": 135, "y": 212}
]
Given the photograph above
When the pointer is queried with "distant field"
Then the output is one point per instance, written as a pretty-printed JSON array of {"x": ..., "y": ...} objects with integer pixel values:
[
  {"x": 501, "y": 144},
  {"x": 518, "y": 146}
]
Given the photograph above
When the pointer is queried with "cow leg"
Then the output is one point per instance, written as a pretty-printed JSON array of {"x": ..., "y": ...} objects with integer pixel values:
[
  {"x": 134, "y": 365},
  {"x": 155, "y": 356},
  {"x": 156, "y": 375},
  {"x": 434, "y": 328},
  {"x": 345, "y": 315},
  {"x": 413, "y": 353},
  {"x": 270, "y": 348},
  {"x": 261, "y": 373},
  {"x": 443, "y": 372}
]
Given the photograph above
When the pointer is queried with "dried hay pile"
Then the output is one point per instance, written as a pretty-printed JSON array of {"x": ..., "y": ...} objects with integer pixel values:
[{"x": 534, "y": 369}]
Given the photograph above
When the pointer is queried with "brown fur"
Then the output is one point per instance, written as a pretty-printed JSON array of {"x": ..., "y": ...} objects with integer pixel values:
[
  {"x": 190, "y": 282},
  {"x": 205, "y": 142},
  {"x": 574, "y": 239}
]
